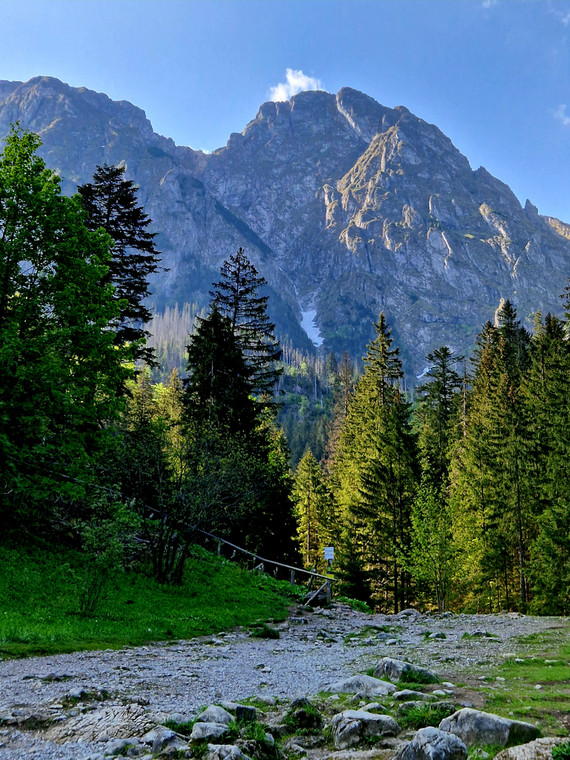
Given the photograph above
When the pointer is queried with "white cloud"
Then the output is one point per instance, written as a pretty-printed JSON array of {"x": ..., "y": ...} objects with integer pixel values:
[
  {"x": 561, "y": 115},
  {"x": 295, "y": 82},
  {"x": 489, "y": 3}
]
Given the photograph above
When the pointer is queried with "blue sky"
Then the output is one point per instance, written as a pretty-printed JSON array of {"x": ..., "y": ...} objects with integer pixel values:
[{"x": 494, "y": 75}]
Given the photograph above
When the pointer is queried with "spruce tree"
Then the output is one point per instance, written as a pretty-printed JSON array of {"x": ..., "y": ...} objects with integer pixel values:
[
  {"x": 373, "y": 478},
  {"x": 219, "y": 383},
  {"x": 237, "y": 297},
  {"x": 437, "y": 415},
  {"x": 111, "y": 204},
  {"x": 488, "y": 489}
]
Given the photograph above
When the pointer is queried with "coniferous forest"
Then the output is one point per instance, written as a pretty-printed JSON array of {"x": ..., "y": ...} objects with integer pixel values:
[{"x": 454, "y": 496}]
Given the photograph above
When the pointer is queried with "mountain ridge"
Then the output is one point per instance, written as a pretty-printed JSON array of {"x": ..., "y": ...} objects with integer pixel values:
[{"x": 346, "y": 206}]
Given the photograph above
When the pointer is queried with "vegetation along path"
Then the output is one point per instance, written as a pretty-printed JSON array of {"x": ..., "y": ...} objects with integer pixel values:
[{"x": 68, "y": 706}]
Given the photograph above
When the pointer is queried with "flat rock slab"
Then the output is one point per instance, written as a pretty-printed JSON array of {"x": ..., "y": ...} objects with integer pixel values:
[
  {"x": 366, "y": 685},
  {"x": 112, "y": 721},
  {"x": 476, "y": 727},
  {"x": 432, "y": 744}
]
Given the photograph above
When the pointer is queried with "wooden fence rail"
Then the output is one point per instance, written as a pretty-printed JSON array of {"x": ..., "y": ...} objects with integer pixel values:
[{"x": 262, "y": 562}]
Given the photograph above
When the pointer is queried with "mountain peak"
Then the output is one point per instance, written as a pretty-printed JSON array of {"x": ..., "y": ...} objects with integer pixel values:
[{"x": 346, "y": 206}]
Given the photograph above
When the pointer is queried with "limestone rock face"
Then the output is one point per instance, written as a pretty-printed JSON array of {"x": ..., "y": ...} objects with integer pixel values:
[{"x": 345, "y": 206}]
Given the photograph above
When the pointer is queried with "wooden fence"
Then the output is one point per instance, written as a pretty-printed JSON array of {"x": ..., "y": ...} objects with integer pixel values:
[{"x": 326, "y": 586}]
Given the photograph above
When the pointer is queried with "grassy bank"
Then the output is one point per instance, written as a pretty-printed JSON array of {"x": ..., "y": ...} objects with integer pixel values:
[
  {"x": 535, "y": 685},
  {"x": 40, "y": 609}
]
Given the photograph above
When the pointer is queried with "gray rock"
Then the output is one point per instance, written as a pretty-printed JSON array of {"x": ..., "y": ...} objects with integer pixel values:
[
  {"x": 215, "y": 714},
  {"x": 366, "y": 685},
  {"x": 225, "y": 752},
  {"x": 351, "y": 726},
  {"x": 431, "y": 744},
  {"x": 246, "y": 713},
  {"x": 201, "y": 731},
  {"x": 397, "y": 670},
  {"x": 476, "y": 727},
  {"x": 539, "y": 749}
]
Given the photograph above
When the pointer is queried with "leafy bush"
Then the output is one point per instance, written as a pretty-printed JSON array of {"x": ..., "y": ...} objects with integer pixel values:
[{"x": 561, "y": 751}]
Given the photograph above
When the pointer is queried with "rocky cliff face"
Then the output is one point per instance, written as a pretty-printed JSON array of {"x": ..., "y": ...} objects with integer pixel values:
[{"x": 345, "y": 206}]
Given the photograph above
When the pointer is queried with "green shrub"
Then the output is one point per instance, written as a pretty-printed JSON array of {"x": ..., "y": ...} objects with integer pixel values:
[
  {"x": 263, "y": 631},
  {"x": 426, "y": 715},
  {"x": 561, "y": 751}
]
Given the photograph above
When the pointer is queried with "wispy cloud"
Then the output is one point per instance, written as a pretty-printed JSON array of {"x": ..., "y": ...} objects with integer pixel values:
[
  {"x": 489, "y": 3},
  {"x": 562, "y": 15},
  {"x": 295, "y": 81},
  {"x": 561, "y": 114}
]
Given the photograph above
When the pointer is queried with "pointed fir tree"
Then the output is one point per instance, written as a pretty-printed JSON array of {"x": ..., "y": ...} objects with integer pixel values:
[
  {"x": 489, "y": 491},
  {"x": 218, "y": 388},
  {"x": 373, "y": 478},
  {"x": 111, "y": 204},
  {"x": 237, "y": 297},
  {"x": 437, "y": 414}
]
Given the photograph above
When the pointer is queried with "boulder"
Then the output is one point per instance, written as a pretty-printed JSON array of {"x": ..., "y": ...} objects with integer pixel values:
[
  {"x": 432, "y": 744},
  {"x": 225, "y": 752},
  {"x": 215, "y": 714},
  {"x": 246, "y": 713},
  {"x": 398, "y": 670},
  {"x": 208, "y": 731},
  {"x": 351, "y": 726},
  {"x": 366, "y": 685},
  {"x": 476, "y": 727}
]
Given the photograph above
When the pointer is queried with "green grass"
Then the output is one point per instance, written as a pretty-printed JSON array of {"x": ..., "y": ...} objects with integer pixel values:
[
  {"x": 545, "y": 662},
  {"x": 423, "y": 715},
  {"x": 39, "y": 603}
]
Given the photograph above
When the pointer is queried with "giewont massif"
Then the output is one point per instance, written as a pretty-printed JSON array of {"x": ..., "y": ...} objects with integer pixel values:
[{"x": 346, "y": 207}]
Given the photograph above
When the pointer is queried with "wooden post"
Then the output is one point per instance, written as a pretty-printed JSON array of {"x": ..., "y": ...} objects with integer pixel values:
[
  {"x": 292, "y": 577},
  {"x": 219, "y": 548},
  {"x": 328, "y": 592}
]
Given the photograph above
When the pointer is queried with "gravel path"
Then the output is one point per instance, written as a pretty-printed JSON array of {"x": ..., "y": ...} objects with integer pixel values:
[{"x": 315, "y": 649}]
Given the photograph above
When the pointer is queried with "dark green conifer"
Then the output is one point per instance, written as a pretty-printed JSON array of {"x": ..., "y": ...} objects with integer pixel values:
[{"x": 111, "y": 204}]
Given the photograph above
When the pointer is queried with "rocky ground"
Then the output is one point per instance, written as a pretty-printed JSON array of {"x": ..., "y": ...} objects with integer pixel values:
[{"x": 73, "y": 706}]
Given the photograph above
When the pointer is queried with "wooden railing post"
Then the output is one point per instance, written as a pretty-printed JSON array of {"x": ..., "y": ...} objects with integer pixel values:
[{"x": 292, "y": 577}]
